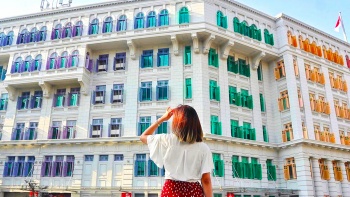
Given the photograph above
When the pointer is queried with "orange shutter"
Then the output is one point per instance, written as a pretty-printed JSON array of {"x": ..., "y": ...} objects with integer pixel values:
[
  {"x": 327, "y": 109},
  {"x": 280, "y": 104},
  {"x": 295, "y": 43},
  {"x": 312, "y": 104},
  {"x": 326, "y": 173},
  {"x": 336, "y": 83},
  {"x": 336, "y": 177},
  {"x": 348, "y": 173},
  {"x": 296, "y": 69},
  {"x": 342, "y": 112},
  {"x": 313, "y": 75},
  {"x": 284, "y": 136},
  {"x": 345, "y": 86},
  {"x": 321, "y": 79},
  {"x": 332, "y": 137},
  {"x": 319, "y": 51},
  {"x": 283, "y": 70},
  {"x": 286, "y": 172},
  {"x": 305, "y": 133},
  {"x": 277, "y": 74},
  {"x": 321, "y": 136},
  {"x": 331, "y": 80},
  {"x": 342, "y": 139},
  {"x": 317, "y": 134},
  {"x": 347, "y": 140},
  {"x": 318, "y": 106},
  {"x": 287, "y": 101},
  {"x": 341, "y": 60},
  {"x": 290, "y": 40},
  {"x": 340, "y": 174},
  {"x": 337, "y": 110}
]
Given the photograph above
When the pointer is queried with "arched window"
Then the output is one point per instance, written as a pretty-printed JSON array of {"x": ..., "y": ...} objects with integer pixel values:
[
  {"x": 93, "y": 27},
  {"x": 22, "y": 37},
  {"x": 221, "y": 20},
  {"x": 26, "y": 66},
  {"x": 2, "y": 38},
  {"x": 41, "y": 36},
  {"x": 67, "y": 31},
  {"x": 107, "y": 25},
  {"x": 254, "y": 32},
  {"x": 121, "y": 24},
  {"x": 244, "y": 28},
  {"x": 184, "y": 16},
  {"x": 74, "y": 59},
  {"x": 151, "y": 19},
  {"x": 78, "y": 29},
  {"x": 236, "y": 25},
  {"x": 37, "y": 63},
  {"x": 32, "y": 35},
  {"x": 9, "y": 39},
  {"x": 163, "y": 18},
  {"x": 138, "y": 24},
  {"x": 52, "y": 61},
  {"x": 16, "y": 66},
  {"x": 56, "y": 32},
  {"x": 63, "y": 60},
  {"x": 269, "y": 37}
]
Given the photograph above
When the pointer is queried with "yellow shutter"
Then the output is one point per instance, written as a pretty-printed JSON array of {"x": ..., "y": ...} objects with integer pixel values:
[
  {"x": 331, "y": 137},
  {"x": 348, "y": 173},
  {"x": 286, "y": 172},
  {"x": 280, "y": 104},
  {"x": 284, "y": 136},
  {"x": 294, "y": 171},
  {"x": 317, "y": 134},
  {"x": 277, "y": 74},
  {"x": 340, "y": 174},
  {"x": 312, "y": 104},
  {"x": 345, "y": 86}
]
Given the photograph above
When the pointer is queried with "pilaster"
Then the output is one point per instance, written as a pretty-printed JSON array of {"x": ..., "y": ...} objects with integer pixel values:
[
  {"x": 321, "y": 186},
  {"x": 345, "y": 184},
  {"x": 305, "y": 182}
]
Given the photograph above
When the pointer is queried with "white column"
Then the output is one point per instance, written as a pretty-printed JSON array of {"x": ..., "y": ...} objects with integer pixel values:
[
  {"x": 293, "y": 96},
  {"x": 225, "y": 115},
  {"x": 333, "y": 185},
  {"x": 78, "y": 171},
  {"x": 345, "y": 186},
  {"x": 305, "y": 182},
  {"x": 128, "y": 169},
  {"x": 304, "y": 90},
  {"x": 264, "y": 180},
  {"x": 321, "y": 186}
]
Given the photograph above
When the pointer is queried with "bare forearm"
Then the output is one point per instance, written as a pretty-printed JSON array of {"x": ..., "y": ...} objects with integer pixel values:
[
  {"x": 150, "y": 130},
  {"x": 207, "y": 188}
]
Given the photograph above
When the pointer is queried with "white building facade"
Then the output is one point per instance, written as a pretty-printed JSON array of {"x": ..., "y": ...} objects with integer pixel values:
[{"x": 79, "y": 85}]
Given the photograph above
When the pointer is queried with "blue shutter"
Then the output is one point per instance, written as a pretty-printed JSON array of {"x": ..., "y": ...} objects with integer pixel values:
[
  {"x": 93, "y": 95},
  {"x": 104, "y": 96},
  {"x": 135, "y": 168}
]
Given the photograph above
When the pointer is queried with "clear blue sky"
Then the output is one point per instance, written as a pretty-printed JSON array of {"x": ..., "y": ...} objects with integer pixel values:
[{"x": 321, "y": 14}]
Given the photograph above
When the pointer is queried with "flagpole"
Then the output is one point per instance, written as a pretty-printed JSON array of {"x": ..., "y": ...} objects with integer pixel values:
[{"x": 342, "y": 24}]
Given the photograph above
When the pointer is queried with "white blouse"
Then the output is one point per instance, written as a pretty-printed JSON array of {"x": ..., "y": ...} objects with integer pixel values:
[{"x": 182, "y": 161}]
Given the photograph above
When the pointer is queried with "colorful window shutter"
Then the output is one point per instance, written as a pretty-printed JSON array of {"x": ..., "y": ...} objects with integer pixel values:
[
  {"x": 153, "y": 170},
  {"x": 187, "y": 55},
  {"x": 234, "y": 128},
  {"x": 213, "y": 58},
  {"x": 232, "y": 94},
  {"x": 215, "y": 125},
  {"x": 262, "y": 103},
  {"x": 265, "y": 134},
  {"x": 188, "y": 88},
  {"x": 231, "y": 65}
]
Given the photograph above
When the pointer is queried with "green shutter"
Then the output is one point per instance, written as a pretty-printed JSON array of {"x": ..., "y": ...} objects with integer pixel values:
[
  {"x": 238, "y": 100},
  {"x": 230, "y": 63},
  {"x": 240, "y": 132},
  {"x": 234, "y": 128},
  {"x": 213, "y": 58},
  {"x": 216, "y": 156},
  {"x": 250, "y": 102},
  {"x": 271, "y": 40},
  {"x": 235, "y": 158},
  {"x": 212, "y": 85},
  {"x": 217, "y": 93},
  {"x": 252, "y": 134},
  {"x": 266, "y": 137},
  {"x": 254, "y": 160},
  {"x": 187, "y": 55},
  {"x": 188, "y": 88},
  {"x": 260, "y": 77},
  {"x": 262, "y": 103}
]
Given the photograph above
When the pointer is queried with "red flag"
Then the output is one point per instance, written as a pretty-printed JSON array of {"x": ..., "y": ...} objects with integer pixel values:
[{"x": 338, "y": 24}]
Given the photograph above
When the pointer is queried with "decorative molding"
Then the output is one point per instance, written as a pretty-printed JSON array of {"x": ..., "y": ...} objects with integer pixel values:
[
  {"x": 225, "y": 49},
  {"x": 11, "y": 92},
  {"x": 195, "y": 42},
  {"x": 46, "y": 88},
  {"x": 256, "y": 59},
  {"x": 175, "y": 45},
  {"x": 132, "y": 49},
  {"x": 207, "y": 44},
  {"x": 84, "y": 85}
]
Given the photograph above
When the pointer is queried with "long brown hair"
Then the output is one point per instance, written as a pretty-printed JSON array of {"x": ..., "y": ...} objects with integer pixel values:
[{"x": 186, "y": 125}]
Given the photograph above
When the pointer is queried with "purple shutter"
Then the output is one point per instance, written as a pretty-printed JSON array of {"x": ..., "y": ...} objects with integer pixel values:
[
  {"x": 27, "y": 37},
  {"x": 48, "y": 64},
  {"x": 49, "y": 135},
  {"x": 54, "y": 100},
  {"x": 90, "y": 134},
  {"x": 53, "y": 169},
  {"x": 26, "y": 169},
  {"x": 32, "y": 66},
  {"x": 53, "y": 34},
  {"x": 58, "y": 65},
  {"x": 96, "y": 66},
  {"x": 90, "y": 65},
  {"x": 65, "y": 167},
  {"x": 39, "y": 65},
  {"x": 93, "y": 95},
  {"x": 31, "y": 104},
  {"x": 64, "y": 134},
  {"x": 63, "y": 32},
  {"x": 37, "y": 36},
  {"x": 59, "y": 131},
  {"x": 114, "y": 62},
  {"x": 64, "y": 101},
  {"x": 15, "y": 169},
  {"x": 35, "y": 134},
  {"x": 13, "y": 134},
  {"x": 69, "y": 97},
  {"x": 69, "y": 62},
  {"x": 111, "y": 99},
  {"x": 18, "y": 38},
  {"x": 26, "y": 134},
  {"x": 103, "y": 27},
  {"x": 44, "y": 35},
  {"x": 78, "y": 99},
  {"x": 74, "y": 30},
  {"x": 43, "y": 166},
  {"x": 81, "y": 30},
  {"x": 104, "y": 96},
  {"x": 13, "y": 67},
  {"x": 21, "y": 136},
  {"x": 6, "y": 167},
  {"x": 90, "y": 29},
  {"x": 19, "y": 102}
]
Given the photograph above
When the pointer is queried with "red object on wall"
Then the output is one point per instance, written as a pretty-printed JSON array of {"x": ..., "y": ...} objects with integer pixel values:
[
  {"x": 229, "y": 194},
  {"x": 36, "y": 194},
  {"x": 126, "y": 194},
  {"x": 31, "y": 194}
]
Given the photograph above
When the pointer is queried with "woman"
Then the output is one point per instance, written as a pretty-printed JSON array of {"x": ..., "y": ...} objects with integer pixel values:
[{"x": 185, "y": 157}]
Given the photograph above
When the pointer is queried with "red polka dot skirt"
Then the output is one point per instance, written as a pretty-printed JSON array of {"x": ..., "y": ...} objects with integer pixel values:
[{"x": 173, "y": 188}]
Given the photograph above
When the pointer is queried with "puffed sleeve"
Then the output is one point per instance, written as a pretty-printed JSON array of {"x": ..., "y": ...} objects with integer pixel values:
[
  {"x": 207, "y": 162},
  {"x": 157, "y": 148}
]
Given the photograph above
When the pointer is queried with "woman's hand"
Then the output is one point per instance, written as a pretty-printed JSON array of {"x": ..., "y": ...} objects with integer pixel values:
[{"x": 167, "y": 115}]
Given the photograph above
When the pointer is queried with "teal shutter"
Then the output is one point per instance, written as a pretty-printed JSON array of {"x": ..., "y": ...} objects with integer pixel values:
[
  {"x": 224, "y": 20},
  {"x": 262, "y": 103},
  {"x": 265, "y": 135},
  {"x": 260, "y": 77},
  {"x": 250, "y": 102},
  {"x": 230, "y": 63},
  {"x": 252, "y": 134},
  {"x": 232, "y": 94},
  {"x": 236, "y": 25},
  {"x": 234, "y": 128},
  {"x": 271, "y": 40},
  {"x": 188, "y": 88},
  {"x": 217, "y": 93},
  {"x": 187, "y": 55},
  {"x": 240, "y": 132},
  {"x": 238, "y": 100}
]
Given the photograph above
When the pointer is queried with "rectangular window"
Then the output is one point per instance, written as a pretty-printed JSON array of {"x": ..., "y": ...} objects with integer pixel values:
[
  {"x": 73, "y": 97},
  {"x": 103, "y": 158},
  {"x": 265, "y": 134},
  {"x": 256, "y": 169},
  {"x": 144, "y": 123},
  {"x": 9, "y": 166},
  {"x": 236, "y": 131},
  {"x": 162, "y": 92},
  {"x": 59, "y": 98},
  {"x": 117, "y": 93},
  {"x": 234, "y": 97},
  {"x": 145, "y": 91},
  {"x": 18, "y": 132},
  {"x": 262, "y": 103},
  {"x": 213, "y": 58},
  {"x": 23, "y": 101},
  {"x": 280, "y": 72},
  {"x": 119, "y": 61},
  {"x": 188, "y": 88},
  {"x": 248, "y": 132},
  {"x": 29, "y": 167},
  {"x": 2, "y": 72},
  {"x": 147, "y": 59},
  {"x": 57, "y": 167},
  {"x": 69, "y": 130},
  {"x": 236, "y": 167},
  {"x": 287, "y": 133},
  {"x": 246, "y": 99},
  {"x": 47, "y": 167},
  {"x": 115, "y": 127},
  {"x": 187, "y": 56},
  {"x": 218, "y": 165},
  {"x": 153, "y": 169},
  {"x": 338, "y": 175},
  {"x": 96, "y": 128},
  {"x": 214, "y": 90},
  {"x": 31, "y": 132},
  {"x": 232, "y": 66},
  {"x": 55, "y": 130},
  {"x": 243, "y": 67},
  {"x": 68, "y": 166},
  {"x": 140, "y": 165},
  {"x": 98, "y": 96},
  {"x": 215, "y": 125},
  {"x": 36, "y": 100},
  {"x": 89, "y": 158},
  {"x": 163, "y": 127},
  {"x": 283, "y": 101},
  {"x": 347, "y": 169},
  {"x": 324, "y": 170},
  {"x": 118, "y": 157},
  {"x": 163, "y": 57},
  {"x": 102, "y": 63},
  {"x": 271, "y": 170},
  {"x": 290, "y": 169},
  {"x": 3, "y": 101}
]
